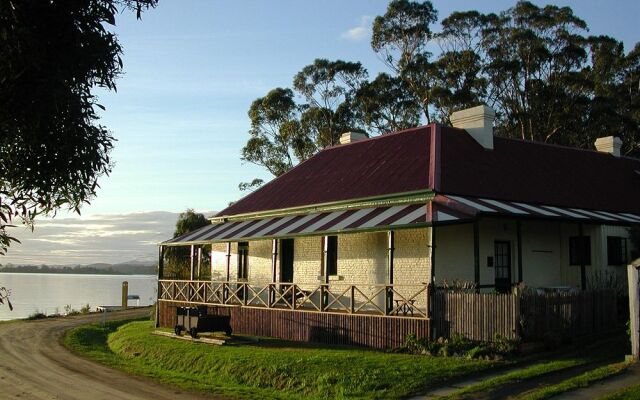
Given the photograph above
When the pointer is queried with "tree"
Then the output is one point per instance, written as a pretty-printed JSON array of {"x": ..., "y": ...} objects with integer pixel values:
[
  {"x": 400, "y": 37},
  {"x": 327, "y": 87},
  {"x": 177, "y": 258},
  {"x": 284, "y": 132},
  {"x": 386, "y": 105},
  {"x": 275, "y": 132},
  {"x": 547, "y": 81},
  {"x": 52, "y": 148}
]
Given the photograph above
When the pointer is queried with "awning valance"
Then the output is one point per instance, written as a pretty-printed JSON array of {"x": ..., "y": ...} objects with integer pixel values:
[
  {"x": 444, "y": 209},
  {"x": 351, "y": 220},
  {"x": 474, "y": 206}
]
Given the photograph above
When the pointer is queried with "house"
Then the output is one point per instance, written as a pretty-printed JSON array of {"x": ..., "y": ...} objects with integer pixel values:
[{"x": 346, "y": 246}]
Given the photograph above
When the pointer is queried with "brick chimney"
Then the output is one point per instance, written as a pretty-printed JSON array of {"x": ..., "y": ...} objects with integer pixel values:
[
  {"x": 609, "y": 144},
  {"x": 478, "y": 122},
  {"x": 350, "y": 137}
]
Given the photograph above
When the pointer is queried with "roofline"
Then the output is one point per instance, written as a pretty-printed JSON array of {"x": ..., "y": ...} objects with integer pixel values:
[{"x": 415, "y": 196}]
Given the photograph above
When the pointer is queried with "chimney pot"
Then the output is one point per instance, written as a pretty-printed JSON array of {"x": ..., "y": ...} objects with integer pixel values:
[
  {"x": 350, "y": 137},
  {"x": 478, "y": 122},
  {"x": 609, "y": 144}
]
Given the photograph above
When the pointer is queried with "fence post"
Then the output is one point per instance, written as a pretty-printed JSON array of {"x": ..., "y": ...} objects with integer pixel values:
[{"x": 634, "y": 307}]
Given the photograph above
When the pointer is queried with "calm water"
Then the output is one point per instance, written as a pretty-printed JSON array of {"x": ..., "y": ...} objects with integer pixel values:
[{"x": 49, "y": 293}]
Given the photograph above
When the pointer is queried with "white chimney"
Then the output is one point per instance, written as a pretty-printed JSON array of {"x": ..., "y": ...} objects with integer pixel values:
[
  {"x": 609, "y": 144},
  {"x": 478, "y": 122},
  {"x": 350, "y": 137}
]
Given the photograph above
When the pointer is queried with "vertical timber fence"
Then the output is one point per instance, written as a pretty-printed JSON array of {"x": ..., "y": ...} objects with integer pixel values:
[{"x": 529, "y": 316}]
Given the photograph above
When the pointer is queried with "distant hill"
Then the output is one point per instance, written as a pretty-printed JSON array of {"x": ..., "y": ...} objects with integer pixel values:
[{"x": 134, "y": 267}]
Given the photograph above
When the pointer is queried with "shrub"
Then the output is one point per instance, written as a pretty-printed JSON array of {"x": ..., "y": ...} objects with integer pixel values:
[
  {"x": 37, "y": 315},
  {"x": 458, "y": 345},
  {"x": 86, "y": 309}
]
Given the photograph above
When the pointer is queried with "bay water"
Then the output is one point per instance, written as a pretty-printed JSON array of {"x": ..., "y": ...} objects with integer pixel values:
[{"x": 50, "y": 293}]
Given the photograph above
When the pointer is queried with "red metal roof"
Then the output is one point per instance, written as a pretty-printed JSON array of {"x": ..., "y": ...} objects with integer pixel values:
[
  {"x": 450, "y": 161},
  {"x": 388, "y": 164},
  {"x": 518, "y": 170}
]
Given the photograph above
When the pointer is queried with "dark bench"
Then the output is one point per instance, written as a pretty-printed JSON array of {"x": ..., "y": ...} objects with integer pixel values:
[{"x": 196, "y": 319}]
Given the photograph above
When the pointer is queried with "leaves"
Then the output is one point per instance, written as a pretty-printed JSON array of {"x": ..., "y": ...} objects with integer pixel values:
[{"x": 53, "y": 54}]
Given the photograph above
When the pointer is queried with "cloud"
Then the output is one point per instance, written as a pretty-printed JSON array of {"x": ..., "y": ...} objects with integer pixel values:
[
  {"x": 360, "y": 32},
  {"x": 112, "y": 238}
]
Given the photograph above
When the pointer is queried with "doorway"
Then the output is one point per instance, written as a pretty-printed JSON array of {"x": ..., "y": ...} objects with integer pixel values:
[
  {"x": 243, "y": 268},
  {"x": 286, "y": 260},
  {"x": 502, "y": 266}
]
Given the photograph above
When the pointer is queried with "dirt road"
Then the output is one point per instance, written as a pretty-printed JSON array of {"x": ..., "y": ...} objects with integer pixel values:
[{"x": 34, "y": 365}]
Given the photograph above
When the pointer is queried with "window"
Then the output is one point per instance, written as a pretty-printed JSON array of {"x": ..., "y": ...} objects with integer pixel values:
[
  {"x": 580, "y": 250},
  {"x": 616, "y": 250},
  {"x": 331, "y": 247}
]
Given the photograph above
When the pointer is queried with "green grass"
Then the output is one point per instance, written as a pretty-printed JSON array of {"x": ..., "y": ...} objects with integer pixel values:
[
  {"x": 553, "y": 363},
  {"x": 630, "y": 393},
  {"x": 576, "y": 382},
  {"x": 538, "y": 369},
  {"x": 267, "y": 369}
]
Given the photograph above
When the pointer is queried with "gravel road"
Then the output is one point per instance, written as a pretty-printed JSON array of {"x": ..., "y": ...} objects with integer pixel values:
[{"x": 34, "y": 365}]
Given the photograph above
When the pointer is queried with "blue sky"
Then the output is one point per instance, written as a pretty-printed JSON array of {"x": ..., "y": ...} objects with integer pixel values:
[{"x": 192, "y": 68}]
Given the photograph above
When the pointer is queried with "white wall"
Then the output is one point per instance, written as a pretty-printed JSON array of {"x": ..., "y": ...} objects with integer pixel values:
[{"x": 545, "y": 252}]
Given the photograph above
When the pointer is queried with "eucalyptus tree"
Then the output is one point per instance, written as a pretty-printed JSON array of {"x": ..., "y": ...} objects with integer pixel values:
[
  {"x": 328, "y": 87},
  {"x": 385, "y": 105},
  {"x": 288, "y": 127},
  {"x": 400, "y": 37},
  {"x": 547, "y": 81}
]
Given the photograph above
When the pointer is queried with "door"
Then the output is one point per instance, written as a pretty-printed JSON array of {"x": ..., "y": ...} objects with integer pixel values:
[
  {"x": 243, "y": 268},
  {"x": 286, "y": 260},
  {"x": 502, "y": 266}
]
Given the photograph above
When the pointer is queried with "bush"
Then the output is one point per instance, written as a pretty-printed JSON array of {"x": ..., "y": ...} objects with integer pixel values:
[
  {"x": 86, "y": 309},
  {"x": 458, "y": 345},
  {"x": 37, "y": 315}
]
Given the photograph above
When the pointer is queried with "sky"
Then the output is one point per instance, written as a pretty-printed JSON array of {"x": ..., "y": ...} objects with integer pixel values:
[{"x": 192, "y": 69}]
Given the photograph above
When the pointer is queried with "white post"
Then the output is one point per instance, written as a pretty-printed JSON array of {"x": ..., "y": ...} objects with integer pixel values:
[{"x": 634, "y": 307}]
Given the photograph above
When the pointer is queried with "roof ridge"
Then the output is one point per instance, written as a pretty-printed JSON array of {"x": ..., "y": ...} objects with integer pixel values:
[
  {"x": 562, "y": 146},
  {"x": 384, "y": 135}
]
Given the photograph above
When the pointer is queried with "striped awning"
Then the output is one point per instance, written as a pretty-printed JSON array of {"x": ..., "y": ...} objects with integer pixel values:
[
  {"x": 444, "y": 209},
  {"x": 465, "y": 206},
  {"x": 405, "y": 215}
]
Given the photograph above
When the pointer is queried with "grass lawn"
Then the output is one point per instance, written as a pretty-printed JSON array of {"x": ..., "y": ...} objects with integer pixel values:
[
  {"x": 550, "y": 365},
  {"x": 267, "y": 369},
  {"x": 576, "y": 382}
]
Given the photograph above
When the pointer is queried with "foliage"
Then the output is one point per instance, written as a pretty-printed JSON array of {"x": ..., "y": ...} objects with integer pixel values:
[
  {"x": 536, "y": 66},
  {"x": 458, "y": 345},
  {"x": 36, "y": 315},
  {"x": 459, "y": 286},
  {"x": 268, "y": 368},
  {"x": 400, "y": 37},
  {"x": 386, "y": 105},
  {"x": 4, "y": 297},
  {"x": 284, "y": 133},
  {"x": 177, "y": 261},
  {"x": 52, "y": 148},
  {"x": 606, "y": 280}
]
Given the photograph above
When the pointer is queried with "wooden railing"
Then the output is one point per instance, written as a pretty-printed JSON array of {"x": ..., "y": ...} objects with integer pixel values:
[{"x": 386, "y": 300}]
